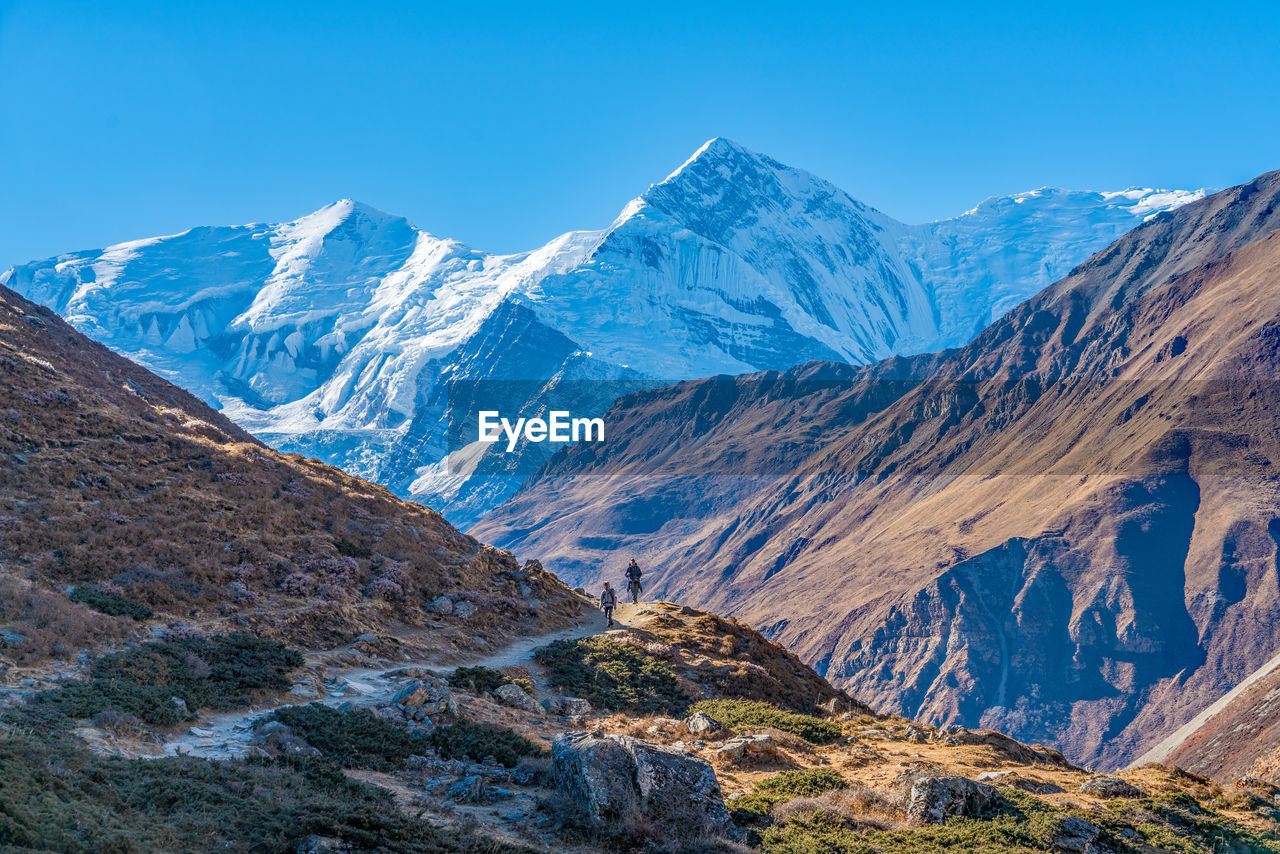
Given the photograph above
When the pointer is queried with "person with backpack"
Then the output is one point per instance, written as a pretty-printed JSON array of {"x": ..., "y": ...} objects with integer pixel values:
[
  {"x": 633, "y": 581},
  {"x": 608, "y": 601}
]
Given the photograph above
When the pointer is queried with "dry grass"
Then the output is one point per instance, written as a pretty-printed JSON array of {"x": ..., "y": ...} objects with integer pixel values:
[{"x": 110, "y": 474}]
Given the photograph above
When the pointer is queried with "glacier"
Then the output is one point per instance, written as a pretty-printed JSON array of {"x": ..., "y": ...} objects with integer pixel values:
[{"x": 340, "y": 334}]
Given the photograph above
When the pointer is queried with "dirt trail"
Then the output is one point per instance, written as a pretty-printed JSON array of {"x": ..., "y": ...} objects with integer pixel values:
[{"x": 227, "y": 735}]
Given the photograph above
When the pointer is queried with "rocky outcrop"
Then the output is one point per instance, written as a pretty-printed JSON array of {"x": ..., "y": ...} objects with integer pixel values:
[
  {"x": 621, "y": 781},
  {"x": 933, "y": 799},
  {"x": 749, "y": 748},
  {"x": 1110, "y": 787}
]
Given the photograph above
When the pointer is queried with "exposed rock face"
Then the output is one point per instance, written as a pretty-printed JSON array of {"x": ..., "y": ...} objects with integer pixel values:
[
  {"x": 1065, "y": 530},
  {"x": 621, "y": 780},
  {"x": 934, "y": 799}
]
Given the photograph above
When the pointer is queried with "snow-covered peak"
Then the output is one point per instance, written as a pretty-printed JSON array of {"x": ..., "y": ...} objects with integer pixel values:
[{"x": 336, "y": 334}]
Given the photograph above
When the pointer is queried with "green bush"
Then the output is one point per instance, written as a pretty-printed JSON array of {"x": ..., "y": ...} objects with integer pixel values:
[
  {"x": 214, "y": 673},
  {"x": 351, "y": 739},
  {"x": 111, "y": 604},
  {"x": 1025, "y": 824},
  {"x": 612, "y": 676},
  {"x": 482, "y": 680},
  {"x": 346, "y": 548},
  {"x": 754, "y": 808},
  {"x": 476, "y": 741},
  {"x": 56, "y": 796},
  {"x": 749, "y": 714}
]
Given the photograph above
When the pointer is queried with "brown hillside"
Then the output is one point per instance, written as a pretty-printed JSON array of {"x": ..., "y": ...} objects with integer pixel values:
[
  {"x": 1066, "y": 530},
  {"x": 114, "y": 480}
]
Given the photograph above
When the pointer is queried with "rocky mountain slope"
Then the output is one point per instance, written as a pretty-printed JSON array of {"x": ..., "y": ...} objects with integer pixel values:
[
  {"x": 1237, "y": 738},
  {"x": 155, "y": 555},
  {"x": 140, "y": 501},
  {"x": 1065, "y": 530},
  {"x": 341, "y": 334},
  {"x": 676, "y": 732}
]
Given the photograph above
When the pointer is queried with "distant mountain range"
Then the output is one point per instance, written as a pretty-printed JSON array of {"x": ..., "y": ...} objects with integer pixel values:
[
  {"x": 338, "y": 335},
  {"x": 1066, "y": 529}
]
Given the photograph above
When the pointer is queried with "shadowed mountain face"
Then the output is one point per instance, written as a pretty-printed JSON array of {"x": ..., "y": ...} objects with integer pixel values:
[
  {"x": 1236, "y": 737},
  {"x": 114, "y": 480},
  {"x": 1065, "y": 530}
]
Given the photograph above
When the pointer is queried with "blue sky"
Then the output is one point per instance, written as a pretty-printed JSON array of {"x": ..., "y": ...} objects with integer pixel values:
[{"x": 505, "y": 124}]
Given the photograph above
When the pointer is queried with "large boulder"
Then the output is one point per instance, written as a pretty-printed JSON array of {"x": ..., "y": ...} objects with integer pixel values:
[
  {"x": 933, "y": 799},
  {"x": 278, "y": 739},
  {"x": 619, "y": 780},
  {"x": 429, "y": 695},
  {"x": 750, "y": 748},
  {"x": 700, "y": 723},
  {"x": 1110, "y": 787},
  {"x": 518, "y": 698},
  {"x": 1077, "y": 836}
]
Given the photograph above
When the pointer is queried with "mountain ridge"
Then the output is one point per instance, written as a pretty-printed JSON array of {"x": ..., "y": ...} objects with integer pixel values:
[
  {"x": 948, "y": 490},
  {"x": 336, "y": 335}
]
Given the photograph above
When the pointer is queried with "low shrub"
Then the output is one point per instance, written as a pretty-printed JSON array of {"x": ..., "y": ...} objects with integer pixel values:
[
  {"x": 754, "y": 808},
  {"x": 612, "y": 676},
  {"x": 216, "y": 673},
  {"x": 477, "y": 741},
  {"x": 478, "y": 680},
  {"x": 351, "y": 739},
  {"x": 56, "y": 796},
  {"x": 110, "y": 603},
  {"x": 1024, "y": 825},
  {"x": 749, "y": 714}
]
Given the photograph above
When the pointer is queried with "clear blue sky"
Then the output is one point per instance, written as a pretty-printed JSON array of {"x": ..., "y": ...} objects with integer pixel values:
[{"x": 505, "y": 124}]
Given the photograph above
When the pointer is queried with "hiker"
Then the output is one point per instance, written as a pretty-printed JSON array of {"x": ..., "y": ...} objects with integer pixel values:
[
  {"x": 608, "y": 601},
  {"x": 633, "y": 581}
]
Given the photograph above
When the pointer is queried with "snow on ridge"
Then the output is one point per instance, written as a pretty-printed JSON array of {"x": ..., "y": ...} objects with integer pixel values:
[{"x": 332, "y": 334}]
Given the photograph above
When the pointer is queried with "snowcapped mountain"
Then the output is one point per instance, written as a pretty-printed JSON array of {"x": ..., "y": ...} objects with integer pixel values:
[{"x": 338, "y": 335}]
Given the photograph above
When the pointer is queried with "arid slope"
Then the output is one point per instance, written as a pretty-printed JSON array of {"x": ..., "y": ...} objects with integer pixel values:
[
  {"x": 115, "y": 481},
  {"x": 1066, "y": 530}
]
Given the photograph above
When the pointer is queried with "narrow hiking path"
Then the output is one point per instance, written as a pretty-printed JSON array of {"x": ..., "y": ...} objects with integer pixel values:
[{"x": 229, "y": 734}]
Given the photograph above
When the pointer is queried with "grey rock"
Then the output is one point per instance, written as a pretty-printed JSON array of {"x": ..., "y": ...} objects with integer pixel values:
[
  {"x": 742, "y": 748},
  {"x": 616, "y": 779},
  {"x": 181, "y": 705},
  {"x": 518, "y": 698},
  {"x": 915, "y": 734},
  {"x": 1077, "y": 835},
  {"x": 468, "y": 790},
  {"x": 834, "y": 707},
  {"x": 1110, "y": 787},
  {"x": 464, "y": 609},
  {"x": 278, "y": 739},
  {"x": 934, "y": 799},
  {"x": 441, "y": 606},
  {"x": 699, "y": 723},
  {"x": 568, "y": 706},
  {"x": 431, "y": 693}
]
